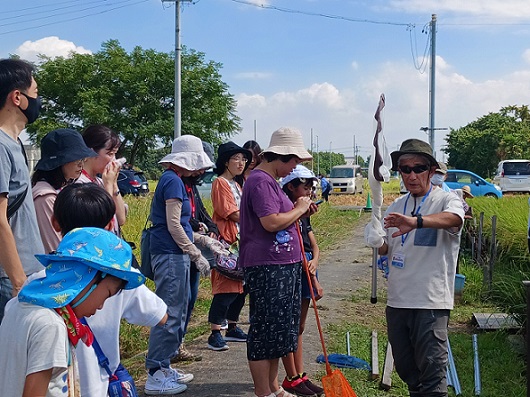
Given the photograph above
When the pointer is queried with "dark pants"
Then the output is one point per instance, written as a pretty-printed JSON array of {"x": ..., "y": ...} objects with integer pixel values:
[
  {"x": 226, "y": 306},
  {"x": 325, "y": 193},
  {"x": 419, "y": 346}
]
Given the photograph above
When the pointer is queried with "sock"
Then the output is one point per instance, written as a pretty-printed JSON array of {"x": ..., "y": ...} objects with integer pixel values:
[
  {"x": 291, "y": 378},
  {"x": 231, "y": 326},
  {"x": 153, "y": 370}
]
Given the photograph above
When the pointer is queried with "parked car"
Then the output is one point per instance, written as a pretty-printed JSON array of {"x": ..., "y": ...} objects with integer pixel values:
[
  {"x": 132, "y": 182},
  {"x": 205, "y": 187},
  {"x": 342, "y": 179},
  {"x": 513, "y": 176},
  {"x": 457, "y": 179}
]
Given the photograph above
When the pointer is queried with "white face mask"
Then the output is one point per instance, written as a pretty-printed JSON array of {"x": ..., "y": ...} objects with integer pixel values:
[{"x": 437, "y": 179}]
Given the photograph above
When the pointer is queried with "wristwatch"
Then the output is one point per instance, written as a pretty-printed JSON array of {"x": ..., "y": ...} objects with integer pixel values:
[{"x": 419, "y": 221}]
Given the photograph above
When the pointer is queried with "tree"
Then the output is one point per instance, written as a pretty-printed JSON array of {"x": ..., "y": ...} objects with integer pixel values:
[
  {"x": 480, "y": 145},
  {"x": 133, "y": 93}
]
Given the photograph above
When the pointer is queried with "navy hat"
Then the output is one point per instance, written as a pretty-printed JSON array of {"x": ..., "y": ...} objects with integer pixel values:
[
  {"x": 227, "y": 150},
  {"x": 60, "y": 147}
]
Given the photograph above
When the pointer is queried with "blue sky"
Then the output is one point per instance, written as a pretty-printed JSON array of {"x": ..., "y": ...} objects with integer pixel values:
[{"x": 313, "y": 64}]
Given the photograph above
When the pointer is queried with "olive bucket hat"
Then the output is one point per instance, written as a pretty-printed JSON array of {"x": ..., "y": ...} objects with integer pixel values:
[{"x": 413, "y": 146}]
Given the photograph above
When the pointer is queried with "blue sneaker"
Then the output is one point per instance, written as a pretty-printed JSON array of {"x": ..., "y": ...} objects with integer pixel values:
[
  {"x": 216, "y": 342},
  {"x": 236, "y": 335}
]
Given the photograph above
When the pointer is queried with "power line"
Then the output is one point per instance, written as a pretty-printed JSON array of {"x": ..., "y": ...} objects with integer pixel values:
[{"x": 75, "y": 18}]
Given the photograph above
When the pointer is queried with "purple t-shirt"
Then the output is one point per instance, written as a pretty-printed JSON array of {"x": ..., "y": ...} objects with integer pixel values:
[{"x": 263, "y": 196}]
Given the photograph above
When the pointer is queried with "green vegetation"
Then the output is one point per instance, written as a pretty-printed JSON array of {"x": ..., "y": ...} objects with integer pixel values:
[{"x": 501, "y": 361}]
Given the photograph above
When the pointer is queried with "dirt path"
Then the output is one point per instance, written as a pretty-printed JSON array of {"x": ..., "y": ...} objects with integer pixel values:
[{"x": 342, "y": 270}]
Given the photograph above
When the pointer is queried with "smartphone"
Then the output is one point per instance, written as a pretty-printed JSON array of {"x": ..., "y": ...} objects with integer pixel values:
[{"x": 319, "y": 202}]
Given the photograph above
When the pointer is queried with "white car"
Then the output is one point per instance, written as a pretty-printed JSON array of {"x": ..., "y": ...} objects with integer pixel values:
[{"x": 513, "y": 176}]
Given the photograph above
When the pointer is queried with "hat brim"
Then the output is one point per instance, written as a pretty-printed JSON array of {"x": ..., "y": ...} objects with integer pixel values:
[
  {"x": 397, "y": 154},
  {"x": 222, "y": 159},
  {"x": 133, "y": 279},
  {"x": 49, "y": 164},
  {"x": 301, "y": 153},
  {"x": 188, "y": 160}
]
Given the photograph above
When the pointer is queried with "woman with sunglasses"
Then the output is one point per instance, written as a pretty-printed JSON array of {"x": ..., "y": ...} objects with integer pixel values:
[{"x": 63, "y": 153}]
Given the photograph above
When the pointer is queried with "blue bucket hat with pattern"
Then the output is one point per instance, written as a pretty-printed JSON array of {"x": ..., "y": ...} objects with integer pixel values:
[{"x": 80, "y": 255}]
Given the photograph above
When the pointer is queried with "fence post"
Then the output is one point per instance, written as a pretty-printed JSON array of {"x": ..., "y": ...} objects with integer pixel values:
[
  {"x": 488, "y": 268},
  {"x": 479, "y": 239},
  {"x": 527, "y": 285}
]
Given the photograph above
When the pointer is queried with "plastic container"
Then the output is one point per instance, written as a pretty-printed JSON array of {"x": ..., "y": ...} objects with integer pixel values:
[{"x": 460, "y": 279}]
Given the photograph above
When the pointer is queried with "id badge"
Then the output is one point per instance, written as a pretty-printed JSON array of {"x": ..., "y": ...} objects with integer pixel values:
[{"x": 398, "y": 260}]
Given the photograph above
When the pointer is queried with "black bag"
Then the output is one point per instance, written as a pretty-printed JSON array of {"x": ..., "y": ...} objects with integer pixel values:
[
  {"x": 145, "y": 266},
  {"x": 228, "y": 265}
]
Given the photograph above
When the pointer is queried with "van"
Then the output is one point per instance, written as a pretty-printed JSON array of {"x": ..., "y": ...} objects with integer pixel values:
[
  {"x": 513, "y": 176},
  {"x": 344, "y": 180}
]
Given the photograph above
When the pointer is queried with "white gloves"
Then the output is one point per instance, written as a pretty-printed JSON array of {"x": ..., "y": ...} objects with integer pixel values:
[
  {"x": 212, "y": 244},
  {"x": 202, "y": 265},
  {"x": 373, "y": 234}
]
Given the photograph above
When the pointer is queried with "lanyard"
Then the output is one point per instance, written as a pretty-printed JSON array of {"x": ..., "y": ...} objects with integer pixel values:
[{"x": 404, "y": 237}]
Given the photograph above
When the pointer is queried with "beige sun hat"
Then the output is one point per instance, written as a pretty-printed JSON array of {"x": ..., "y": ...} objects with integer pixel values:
[
  {"x": 187, "y": 152},
  {"x": 467, "y": 191},
  {"x": 286, "y": 141},
  {"x": 442, "y": 168}
]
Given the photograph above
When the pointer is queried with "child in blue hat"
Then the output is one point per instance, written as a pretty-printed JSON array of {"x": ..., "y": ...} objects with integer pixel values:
[{"x": 42, "y": 324}]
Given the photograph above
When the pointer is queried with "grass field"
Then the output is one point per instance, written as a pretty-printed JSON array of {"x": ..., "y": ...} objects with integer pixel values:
[{"x": 502, "y": 365}]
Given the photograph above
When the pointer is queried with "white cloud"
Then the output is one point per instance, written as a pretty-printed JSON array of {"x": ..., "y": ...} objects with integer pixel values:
[
  {"x": 526, "y": 56},
  {"x": 510, "y": 9},
  {"x": 51, "y": 46},
  {"x": 337, "y": 113}
]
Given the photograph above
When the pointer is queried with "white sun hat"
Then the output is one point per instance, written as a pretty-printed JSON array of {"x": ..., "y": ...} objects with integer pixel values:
[
  {"x": 300, "y": 172},
  {"x": 187, "y": 152},
  {"x": 286, "y": 141}
]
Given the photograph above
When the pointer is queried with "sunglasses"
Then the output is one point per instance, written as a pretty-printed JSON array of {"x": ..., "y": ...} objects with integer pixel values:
[{"x": 418, "y": 169}]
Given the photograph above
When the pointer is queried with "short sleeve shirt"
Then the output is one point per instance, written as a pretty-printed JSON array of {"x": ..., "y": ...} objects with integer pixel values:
[
  {"x": 14, "y": 180},
  {"x": 262, "y": 196},
  {"x": 170, "y": 186}
]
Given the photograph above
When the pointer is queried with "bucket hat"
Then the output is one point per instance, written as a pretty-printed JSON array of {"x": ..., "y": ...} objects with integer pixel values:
[
  {"x": 413, "y": 146},
  {"x": 80, "y": 255},
  {"x": 286, "y": 141},
  {"x": 208, "y": 149},
  {"x": 442, "y": 168},
  {"x": 227, "y": 150},
  {"x": 466, "y": 190},
  {"x": 60, "y": 147},
  {"x": 300, "y": 172},
  {"x": 187, "y": 152}
]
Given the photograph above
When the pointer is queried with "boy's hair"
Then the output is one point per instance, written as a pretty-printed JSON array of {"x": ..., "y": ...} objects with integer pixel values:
[
  {"x": 83, "y": 205},
  {"x": 14, "y": 74},
  {"x": 295, "y": 183}
]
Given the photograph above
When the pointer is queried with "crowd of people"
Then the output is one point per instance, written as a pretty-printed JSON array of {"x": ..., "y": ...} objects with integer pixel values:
[{"x": 62, "y": 257}]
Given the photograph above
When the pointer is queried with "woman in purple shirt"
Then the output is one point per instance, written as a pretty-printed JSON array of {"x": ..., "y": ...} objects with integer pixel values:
[{"x": 270, "y": 253}]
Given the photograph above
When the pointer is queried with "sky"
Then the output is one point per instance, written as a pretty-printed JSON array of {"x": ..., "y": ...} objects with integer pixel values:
[{"x": 315, "y": 65}]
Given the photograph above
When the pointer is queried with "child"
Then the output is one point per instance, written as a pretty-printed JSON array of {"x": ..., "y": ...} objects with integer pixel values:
[
  {"x": 297, "y": 184},
  {"x": 87, "y": 204},
  {"x": 42, "y": 324}
]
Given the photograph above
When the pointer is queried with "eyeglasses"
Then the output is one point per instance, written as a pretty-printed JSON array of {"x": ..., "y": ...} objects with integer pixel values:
[
  {"x": 418, "y": 169},
  {"x": 241, "y": 159},
  {"x": 80, "y": 163}
]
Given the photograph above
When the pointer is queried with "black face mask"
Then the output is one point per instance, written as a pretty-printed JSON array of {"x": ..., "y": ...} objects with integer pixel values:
[{"x": 33, "y": 109}]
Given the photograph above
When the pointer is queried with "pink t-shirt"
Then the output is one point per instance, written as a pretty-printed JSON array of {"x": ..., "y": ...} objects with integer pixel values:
[{"x": 263, "y": 196}]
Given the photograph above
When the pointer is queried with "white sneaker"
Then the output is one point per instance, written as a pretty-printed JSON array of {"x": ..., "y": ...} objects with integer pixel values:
[
  {"x": 181, "y": 376},
  {"x": 163, "y": 382}
]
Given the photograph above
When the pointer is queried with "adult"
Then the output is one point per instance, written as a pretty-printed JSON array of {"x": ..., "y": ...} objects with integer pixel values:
[
  {"x": 325, "y": 186},
  {"x": 63, "y": 153},
  {"x": 19, "y": 233},
  {"x": 106, "y": 144},
  {"x": 271, "y": 255},
  {"x": 438, "y": 179},
  {"x": 200, "y": 222},
  {"x": 228, "y": 294},
  {"x": 421, "y": 240},
  {"x": 172, "y": 249}
]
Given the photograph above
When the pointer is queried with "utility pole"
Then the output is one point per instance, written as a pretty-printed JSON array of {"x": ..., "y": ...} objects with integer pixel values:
[
  {"x": 354, "y": 156},
  {"x": 178, "y": 107},
  {"x": 330, "y": 156},
  {"x": 432, "y": 84},
  {"x": 318, "y": 158},
  {"x": 312, "y": 152}
]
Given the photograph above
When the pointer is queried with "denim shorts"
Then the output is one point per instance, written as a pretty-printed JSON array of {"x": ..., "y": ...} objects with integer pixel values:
[{"x": 275, "y": 300}]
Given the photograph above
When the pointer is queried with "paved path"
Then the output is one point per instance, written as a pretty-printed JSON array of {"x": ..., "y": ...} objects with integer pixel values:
[{"x": 342, "y": 270}]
